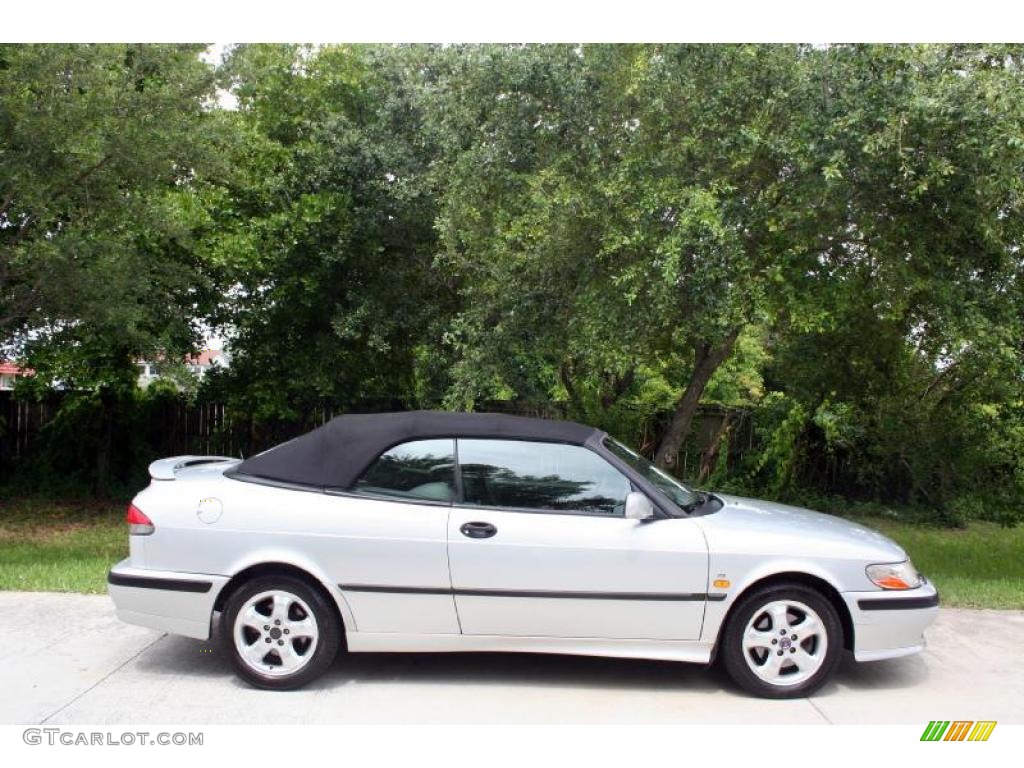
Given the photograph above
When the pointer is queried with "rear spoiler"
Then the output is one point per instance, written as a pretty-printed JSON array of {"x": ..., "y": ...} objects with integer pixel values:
[{"x": 167, "y": 469}]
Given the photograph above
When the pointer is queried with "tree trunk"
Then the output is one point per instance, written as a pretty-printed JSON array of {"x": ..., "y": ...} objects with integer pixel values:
[
  {"x": 710, "y": 457},
  {"x": 706, "y": 362},
  {"x": 619, "y": 386}
]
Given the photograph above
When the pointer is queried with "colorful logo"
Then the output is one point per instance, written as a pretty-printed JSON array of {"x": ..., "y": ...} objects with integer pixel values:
[{"x": 958, "y": 730}]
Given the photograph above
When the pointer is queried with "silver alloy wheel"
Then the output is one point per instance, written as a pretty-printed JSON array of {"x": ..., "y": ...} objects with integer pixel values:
[
  {"x": 785, "y": 642},
  {"x": 276, "y": 633}
]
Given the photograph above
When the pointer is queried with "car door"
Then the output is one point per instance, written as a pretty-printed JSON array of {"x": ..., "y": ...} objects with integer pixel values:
[
  {"x": 539, "y": 546},
  {"x": 388, "y": 547}
]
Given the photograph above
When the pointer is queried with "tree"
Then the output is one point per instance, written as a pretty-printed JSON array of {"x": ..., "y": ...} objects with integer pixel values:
[
  {"x": 98, "y": 148},
  {"x": 615, "y": 209},
  {"x": 327, "y": 234},
  {"x": 914, "y": 375},
  {"x": 827, "y": 238},
  {"x": 621, "y": 206}
]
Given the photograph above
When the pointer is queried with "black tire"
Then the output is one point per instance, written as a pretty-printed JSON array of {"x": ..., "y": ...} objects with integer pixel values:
[
  {"x": 733, "y": 654},
  {"x": 328, "y": 626}
]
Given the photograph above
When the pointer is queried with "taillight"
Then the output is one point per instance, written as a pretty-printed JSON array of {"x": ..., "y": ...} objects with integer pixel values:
[{"x": 138, "y": 523}]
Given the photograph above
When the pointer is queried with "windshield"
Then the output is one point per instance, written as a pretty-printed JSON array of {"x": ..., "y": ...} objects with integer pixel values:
[{"x": 667, "y": 484}]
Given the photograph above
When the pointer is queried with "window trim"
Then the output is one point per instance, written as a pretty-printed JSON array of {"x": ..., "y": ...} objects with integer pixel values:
[
  {"x": 538, "y": 511},
  {"x": 347, "y": 493},
  {"x": 460, "y": 502}
]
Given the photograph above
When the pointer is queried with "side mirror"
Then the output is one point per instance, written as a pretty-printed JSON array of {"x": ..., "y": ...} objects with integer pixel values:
[{"x": 639, "y": 507}]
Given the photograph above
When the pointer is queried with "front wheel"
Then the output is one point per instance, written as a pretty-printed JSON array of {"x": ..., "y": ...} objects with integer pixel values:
[
  {"x": 281, "y": 633},
  {"x": 782, "y": 641}
]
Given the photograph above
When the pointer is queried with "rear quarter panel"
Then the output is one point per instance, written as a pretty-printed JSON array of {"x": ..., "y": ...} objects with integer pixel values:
[{"x": 337, "y": 539}]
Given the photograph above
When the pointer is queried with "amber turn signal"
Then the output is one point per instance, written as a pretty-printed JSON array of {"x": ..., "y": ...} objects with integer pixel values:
[{"x": 894, "y": 575}]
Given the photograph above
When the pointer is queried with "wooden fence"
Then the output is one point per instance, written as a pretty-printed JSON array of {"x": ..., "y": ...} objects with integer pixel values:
[
  {"x": 20, "y": 423},
  {"x": 174, "y": 427}
]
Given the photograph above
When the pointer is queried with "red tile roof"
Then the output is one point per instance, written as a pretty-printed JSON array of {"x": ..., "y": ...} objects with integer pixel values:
[
  {"x": 17, "y": 370},
  {"x": 206, "y": 357}
]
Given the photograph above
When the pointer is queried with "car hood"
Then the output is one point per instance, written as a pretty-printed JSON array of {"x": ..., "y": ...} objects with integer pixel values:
[{"x": 794, "y": 530}]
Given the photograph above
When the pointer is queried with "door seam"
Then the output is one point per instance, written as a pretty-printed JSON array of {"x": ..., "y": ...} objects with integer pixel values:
[{"x": 448, "y": 556}]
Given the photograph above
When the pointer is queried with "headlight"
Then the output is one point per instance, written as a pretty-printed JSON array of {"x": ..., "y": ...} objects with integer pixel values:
[{"x": 894, "y": 575}]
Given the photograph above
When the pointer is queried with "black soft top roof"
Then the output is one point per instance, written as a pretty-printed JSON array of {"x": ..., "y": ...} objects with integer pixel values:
[{"x": 336, "y": 454}]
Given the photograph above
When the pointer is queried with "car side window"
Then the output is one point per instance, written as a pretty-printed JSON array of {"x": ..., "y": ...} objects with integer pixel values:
[
  {"x": 547, "y": 477},
  {"x": 423, "y": 470}
]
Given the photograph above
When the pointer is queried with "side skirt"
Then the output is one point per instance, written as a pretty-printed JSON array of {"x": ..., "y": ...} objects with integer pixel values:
[{"x": 694, "y": 651}]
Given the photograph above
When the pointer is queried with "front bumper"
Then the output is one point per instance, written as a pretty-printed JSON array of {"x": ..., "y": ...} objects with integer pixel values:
[
  {"x": 890, "y": 624},
  {"x": 180, "y": 603}
]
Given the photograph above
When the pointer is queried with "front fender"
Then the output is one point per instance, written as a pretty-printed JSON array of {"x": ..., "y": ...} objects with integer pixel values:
[{"x": 742, "y": 577}]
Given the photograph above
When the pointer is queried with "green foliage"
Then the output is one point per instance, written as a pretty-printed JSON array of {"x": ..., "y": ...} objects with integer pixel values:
[
  {"x": 823, "y": 243},
  {"x": 99, "y": 146},
  {"x": 325, "y": 232},
  {"x": 592, "y": 213},
  {"x": 780, "y": 435}
]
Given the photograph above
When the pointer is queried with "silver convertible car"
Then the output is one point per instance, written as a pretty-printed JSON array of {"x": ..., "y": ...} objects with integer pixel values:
[{"x": 428, "y": 531}]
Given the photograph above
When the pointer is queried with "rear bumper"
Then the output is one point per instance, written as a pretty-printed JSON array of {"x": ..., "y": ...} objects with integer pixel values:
[
  {"x": 887, "y": 625},
  {"x": 180, "y": 603}
]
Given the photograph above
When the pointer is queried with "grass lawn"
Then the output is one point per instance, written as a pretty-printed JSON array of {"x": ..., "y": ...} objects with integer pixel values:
[
  {"x": 68, "y": 547},
  {"x": 981, "y": 566},
  {"x": 60, "y": 547}
]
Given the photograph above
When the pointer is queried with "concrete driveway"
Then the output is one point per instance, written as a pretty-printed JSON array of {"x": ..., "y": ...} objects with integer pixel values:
[{"x": 69, "y": 660}]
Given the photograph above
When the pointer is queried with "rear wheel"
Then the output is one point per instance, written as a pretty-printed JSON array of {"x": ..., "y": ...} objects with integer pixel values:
[
  {"x": 782, "y": 641},
  {"x": 281, "y": 632}
]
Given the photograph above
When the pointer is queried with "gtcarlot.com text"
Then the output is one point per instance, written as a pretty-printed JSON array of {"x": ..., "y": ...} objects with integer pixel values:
[{"x": 75, "y": 738}]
